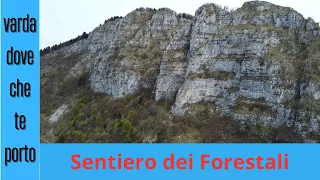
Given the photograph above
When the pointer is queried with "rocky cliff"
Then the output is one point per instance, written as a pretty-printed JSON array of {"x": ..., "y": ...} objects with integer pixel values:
[{"x": 258, "y": 64}]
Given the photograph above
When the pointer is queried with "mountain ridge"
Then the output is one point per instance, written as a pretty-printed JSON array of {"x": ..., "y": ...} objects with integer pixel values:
[{"x": 257, "y": 64}]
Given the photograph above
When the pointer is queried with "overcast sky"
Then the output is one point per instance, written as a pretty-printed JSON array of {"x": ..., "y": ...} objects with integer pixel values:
[{"x": 61, "y": 20}]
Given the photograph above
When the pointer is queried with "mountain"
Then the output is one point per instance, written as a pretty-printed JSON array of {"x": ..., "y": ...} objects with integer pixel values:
[{"x": 245, "y": 75}]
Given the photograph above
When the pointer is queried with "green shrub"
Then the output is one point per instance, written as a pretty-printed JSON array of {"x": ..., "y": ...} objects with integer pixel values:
[
  {"x": 99, "y": 117},
  {"x": 126, "y": 129}
]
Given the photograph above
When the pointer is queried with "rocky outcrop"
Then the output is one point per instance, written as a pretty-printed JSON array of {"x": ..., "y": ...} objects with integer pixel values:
[
  {"x": 146, "y": 49},
  {"x": 259, "y": 63},
  {"x": 249, "y": 64}
]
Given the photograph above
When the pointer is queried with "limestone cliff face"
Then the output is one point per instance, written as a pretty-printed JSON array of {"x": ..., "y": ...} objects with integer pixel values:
[
  {"x": 251, "y": 64},
  {"x": 146, "y": 49},
  {"x": 259, "y": 63}
]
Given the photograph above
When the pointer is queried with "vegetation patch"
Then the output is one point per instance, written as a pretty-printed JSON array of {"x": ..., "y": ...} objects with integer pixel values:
[
  {"x": 55, "y": 87},
  {"x": 312, "y": 63},
  {"x": 276, "y": 10},
  {"x": 254, "y": 27},
  {"x": 233, "y": 89},
  {"x": 254, "y": 78},
  {"x": 250, "y": 106},
  {"x": 218, "y": 75},
  {"x": 100, "y": 119}
]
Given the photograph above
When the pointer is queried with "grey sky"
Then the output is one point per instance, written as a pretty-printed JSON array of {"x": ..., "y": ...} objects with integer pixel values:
[{"x": 61, "y": 20}]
